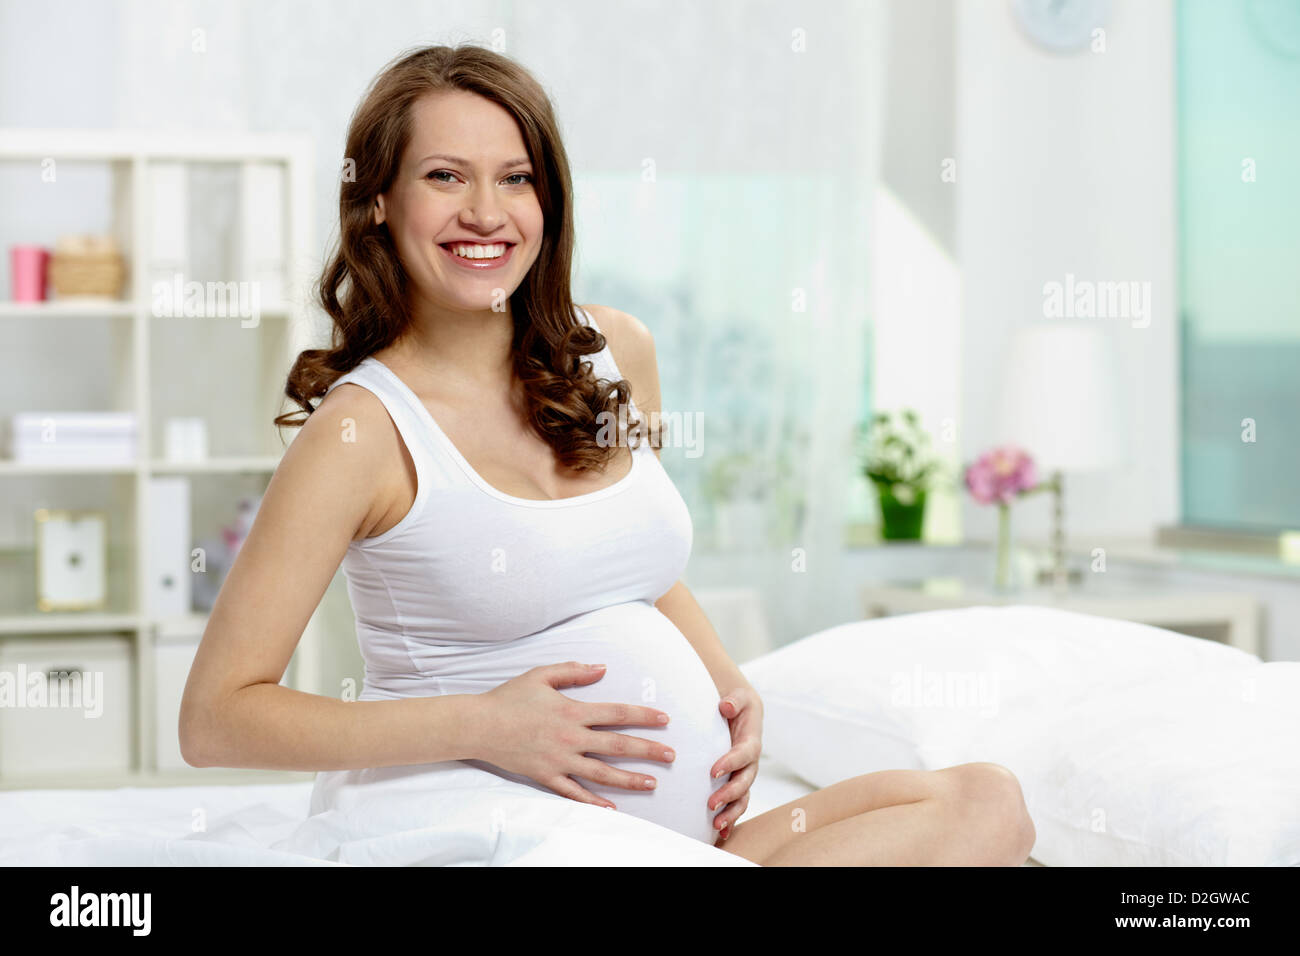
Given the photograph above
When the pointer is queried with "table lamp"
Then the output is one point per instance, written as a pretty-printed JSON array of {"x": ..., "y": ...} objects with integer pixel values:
[{"x": 1062, "y": 402}]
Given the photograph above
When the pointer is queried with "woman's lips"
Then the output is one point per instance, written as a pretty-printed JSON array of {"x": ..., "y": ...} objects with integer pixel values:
[{"x": 479, "y": 264}]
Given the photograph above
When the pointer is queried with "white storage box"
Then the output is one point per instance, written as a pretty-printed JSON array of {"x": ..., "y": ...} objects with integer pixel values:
[
  {"x": 173, "y": 655},
  {"x": 57, "y": 724},
  {"x": 175, "y": 644},
  {"x": 74, "y": 438}
]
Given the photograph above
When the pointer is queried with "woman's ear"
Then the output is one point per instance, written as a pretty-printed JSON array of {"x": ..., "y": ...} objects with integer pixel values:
[{"x": 379, "y": 210}]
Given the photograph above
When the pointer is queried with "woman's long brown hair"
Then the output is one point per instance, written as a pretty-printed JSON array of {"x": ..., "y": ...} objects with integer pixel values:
[{"x": 363, "y": 286}]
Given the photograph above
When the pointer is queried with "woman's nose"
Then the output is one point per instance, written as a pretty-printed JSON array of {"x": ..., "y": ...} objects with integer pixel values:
[{"x": 482, "y": 209}]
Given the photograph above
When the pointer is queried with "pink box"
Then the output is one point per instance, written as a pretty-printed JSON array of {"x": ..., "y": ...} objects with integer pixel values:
[{"x": 27, "y": 271}]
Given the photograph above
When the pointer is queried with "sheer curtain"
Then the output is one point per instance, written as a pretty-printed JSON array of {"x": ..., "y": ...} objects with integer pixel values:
[
  {"x": 1239, "y": 333},
  {"x": 725, "y": 156}
]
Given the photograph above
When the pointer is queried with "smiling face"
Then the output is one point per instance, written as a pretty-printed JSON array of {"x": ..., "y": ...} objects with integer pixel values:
[{"x": 463, "y": 211}]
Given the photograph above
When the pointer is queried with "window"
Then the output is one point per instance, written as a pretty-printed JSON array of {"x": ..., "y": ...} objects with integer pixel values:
[{"x": 1239, "y": 211}]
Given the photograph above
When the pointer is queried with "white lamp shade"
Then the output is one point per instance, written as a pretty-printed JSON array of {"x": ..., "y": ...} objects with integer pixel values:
[{"x": 1062, "y": 397}]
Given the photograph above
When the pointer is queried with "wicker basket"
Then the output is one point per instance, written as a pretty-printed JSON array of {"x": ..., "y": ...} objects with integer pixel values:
[{"x": 86, "y": 265}]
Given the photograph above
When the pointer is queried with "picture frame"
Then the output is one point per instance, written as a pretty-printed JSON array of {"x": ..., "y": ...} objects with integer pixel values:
[{"x": 71, "y": 560}]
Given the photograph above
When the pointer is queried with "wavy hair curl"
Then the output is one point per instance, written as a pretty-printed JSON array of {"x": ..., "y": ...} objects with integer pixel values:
[{"x": 363, "y": 286}]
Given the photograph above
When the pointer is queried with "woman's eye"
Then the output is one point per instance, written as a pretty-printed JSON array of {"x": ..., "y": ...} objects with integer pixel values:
[{"x": 527, "y": 178}]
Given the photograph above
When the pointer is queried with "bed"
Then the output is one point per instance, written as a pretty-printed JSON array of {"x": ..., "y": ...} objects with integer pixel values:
[
  {"x": 1134, "y": 746},
  {"x": 267, "y": 825}
]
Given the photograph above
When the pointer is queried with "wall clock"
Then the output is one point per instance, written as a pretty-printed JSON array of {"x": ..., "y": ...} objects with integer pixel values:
[{"x": 1061, "y": 26}]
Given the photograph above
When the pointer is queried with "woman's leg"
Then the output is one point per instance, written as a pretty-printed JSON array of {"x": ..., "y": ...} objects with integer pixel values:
[{"x": 969, "y": 815}]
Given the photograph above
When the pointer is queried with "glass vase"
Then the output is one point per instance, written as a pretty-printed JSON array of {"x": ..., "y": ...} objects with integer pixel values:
[{"x": 1004, "y": 572}]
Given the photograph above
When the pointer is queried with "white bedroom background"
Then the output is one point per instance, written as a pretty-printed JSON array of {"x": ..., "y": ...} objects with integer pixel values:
[{"x": 728, "y": 206}]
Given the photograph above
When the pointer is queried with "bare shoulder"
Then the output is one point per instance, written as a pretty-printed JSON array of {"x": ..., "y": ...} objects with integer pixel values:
[
  {"x": 351, "y": 438},
  {"x": 349, "y": 415},
  {"x": 625, "y": 332},
  {"x": 633, "y": 347}
]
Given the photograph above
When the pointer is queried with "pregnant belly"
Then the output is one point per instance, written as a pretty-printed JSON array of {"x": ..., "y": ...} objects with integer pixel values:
[{"x": 648, "y": 661}]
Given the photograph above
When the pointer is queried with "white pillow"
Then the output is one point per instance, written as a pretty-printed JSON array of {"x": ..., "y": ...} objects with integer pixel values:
[
  {"x": 922, "y": 691},
  {"x": 1192, "y": 770}
]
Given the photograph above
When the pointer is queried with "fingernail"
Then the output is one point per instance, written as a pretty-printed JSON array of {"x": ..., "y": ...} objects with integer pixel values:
[
  {"x": 718, "y": 774},
  {"x": 669, "y": 755},
  {"x": 649, "y": 783},
  {"x": 663, "y": 718}
]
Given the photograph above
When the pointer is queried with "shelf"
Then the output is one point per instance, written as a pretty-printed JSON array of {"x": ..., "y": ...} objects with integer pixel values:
[
  {"x": 276, "y": 310},
  {"x": 250, "y": 464},
  {"x": 68, "y": 622},
  {"x": 77, "y": 622},
  {"x": 117, "y": 308},
  {"x": 68, "y": 308},
  {"x": 256, "y": 464},
  {"x": 193, "y": 623},
  {"x": 1234, "y": 615},
  {"x": 101, "y": 144},
  {"x": 245, "y": 217},
  {"x": 38, "y": 468}
]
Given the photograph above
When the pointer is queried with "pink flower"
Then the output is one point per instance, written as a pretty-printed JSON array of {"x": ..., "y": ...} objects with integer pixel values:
[{"x": 1001, "y": 474}]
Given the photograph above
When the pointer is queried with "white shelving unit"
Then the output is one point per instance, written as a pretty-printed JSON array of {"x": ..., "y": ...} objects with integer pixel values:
[{"x": 156, "y": 366}]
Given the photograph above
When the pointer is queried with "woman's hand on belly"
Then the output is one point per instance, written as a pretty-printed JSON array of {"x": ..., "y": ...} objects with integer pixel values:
[
  {"x": 647, "y": 667},
  {"x": 743, "y": 709},
  {"x": 535, "y": 731}
]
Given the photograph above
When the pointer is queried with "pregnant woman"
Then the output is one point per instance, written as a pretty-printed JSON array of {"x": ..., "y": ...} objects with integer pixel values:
[{"x": 472, "y": 454}]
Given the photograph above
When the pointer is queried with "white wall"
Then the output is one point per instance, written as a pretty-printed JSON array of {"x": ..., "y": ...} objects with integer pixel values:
[
  {"x": 1066, "y": 164},
  {"x": 917, "y": 345},
  {"x": 920, "y": 102},
  {"x": 915, "y": 278}
]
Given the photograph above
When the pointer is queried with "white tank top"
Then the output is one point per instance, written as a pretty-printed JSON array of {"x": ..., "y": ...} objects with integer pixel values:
[{"x": 474, "y": 586}]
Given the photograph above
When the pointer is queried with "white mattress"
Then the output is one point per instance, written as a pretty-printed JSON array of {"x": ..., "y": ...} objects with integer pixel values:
[{"x": 265, "y": 825}]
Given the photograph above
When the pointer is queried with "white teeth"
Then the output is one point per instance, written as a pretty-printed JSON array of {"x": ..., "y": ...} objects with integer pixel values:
[{"x": 468, "y": 251}]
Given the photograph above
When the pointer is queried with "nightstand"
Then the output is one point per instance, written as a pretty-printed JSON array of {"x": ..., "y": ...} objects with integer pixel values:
[{"x": 1227, "y": 617}]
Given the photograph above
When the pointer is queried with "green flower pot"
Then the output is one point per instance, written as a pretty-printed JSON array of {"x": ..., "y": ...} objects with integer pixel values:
[{"x": 901, "y": 521}]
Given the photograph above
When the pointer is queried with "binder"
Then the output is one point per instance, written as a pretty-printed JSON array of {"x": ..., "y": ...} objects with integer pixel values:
[{"x": 170, "y": 579}]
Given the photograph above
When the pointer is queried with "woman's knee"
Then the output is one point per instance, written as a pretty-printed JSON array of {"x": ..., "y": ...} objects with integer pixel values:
[{"x": 990, "y": 798}]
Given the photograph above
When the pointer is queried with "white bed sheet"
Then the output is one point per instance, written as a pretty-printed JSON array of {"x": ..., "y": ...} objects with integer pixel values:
[{"x": 268, "y": 825}]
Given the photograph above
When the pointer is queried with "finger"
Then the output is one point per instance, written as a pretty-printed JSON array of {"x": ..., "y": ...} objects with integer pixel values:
[
  {"x": 597, "y": 771},
  {"x": 719, "y": 769},
  {"x": 743, "y": 752},
  {"x": 740, "y": 781},
  {"x": 731, "y": 811},
  {"x": 726, "y": 820},
  {"x": 735, "y": 701},
  {"x": 731, "y": 814},
  {"x": 570, "y": 673},
  {"x": 568, "y": 787},
  {"x": 622, "y": 715},
  {"x": 625, "y": 745}
]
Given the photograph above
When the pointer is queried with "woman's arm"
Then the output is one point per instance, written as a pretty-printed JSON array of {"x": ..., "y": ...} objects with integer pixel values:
[
  {"x": 338, "y": 480},
  {"x": 680, "y": 607},
  {"x": 633, "y": 347},
  {"x": 634, "y": 353},
  {"x": 266, "y": 726}
]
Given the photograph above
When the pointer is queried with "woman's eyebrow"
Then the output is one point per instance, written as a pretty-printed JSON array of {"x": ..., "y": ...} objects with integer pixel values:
[{"x": 465, "y": 162}]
